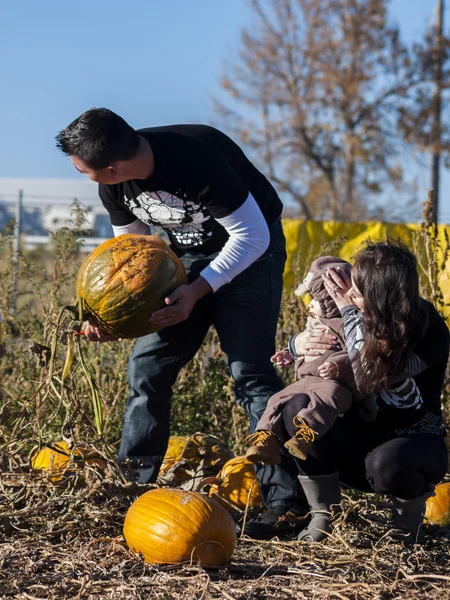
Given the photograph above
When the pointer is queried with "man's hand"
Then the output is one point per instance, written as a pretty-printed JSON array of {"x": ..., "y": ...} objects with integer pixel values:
[
  {"x": 314, "y": 343},
  {"x": 180, "y": 303},
  {"x": 93, "y": 333},
  {"x": 282, "y": 358},
  {"x": 328, "y": 370}
]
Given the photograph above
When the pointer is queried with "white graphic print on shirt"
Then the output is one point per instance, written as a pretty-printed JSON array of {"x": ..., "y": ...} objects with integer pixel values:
[{"x": 184, "y": 218}]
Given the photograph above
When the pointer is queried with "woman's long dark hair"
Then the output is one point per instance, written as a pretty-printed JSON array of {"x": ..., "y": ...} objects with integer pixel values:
[{"x": 385, "y": 274}]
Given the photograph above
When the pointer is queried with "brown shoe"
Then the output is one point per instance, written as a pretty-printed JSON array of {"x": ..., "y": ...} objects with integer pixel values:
[
  {"x": 265, "y": 448},
  {"x": 301, "y": 444}
]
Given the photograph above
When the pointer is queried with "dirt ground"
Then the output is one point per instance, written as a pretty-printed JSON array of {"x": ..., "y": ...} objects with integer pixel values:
[{"x": 64, "y": 540}]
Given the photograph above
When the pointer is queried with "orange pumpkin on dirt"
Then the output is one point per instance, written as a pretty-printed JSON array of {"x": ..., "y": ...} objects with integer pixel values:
[
  {"x": 177, "y": 444},
  {"x": 236, "y": 485},
  {"x": 60, "y": 458},
  {"x": 169, "y": 526},
  {"x": 189, "y": 460},
  {"x": 125, "y": 279},
  {"x": 438, "y": 507}
]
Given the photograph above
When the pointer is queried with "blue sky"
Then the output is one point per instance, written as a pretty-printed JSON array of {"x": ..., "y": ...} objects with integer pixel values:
[{"x": 152, "y": 61}]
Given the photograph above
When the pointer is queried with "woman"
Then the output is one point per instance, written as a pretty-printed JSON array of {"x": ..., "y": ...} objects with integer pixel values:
[{"x": 399, "y": 346}]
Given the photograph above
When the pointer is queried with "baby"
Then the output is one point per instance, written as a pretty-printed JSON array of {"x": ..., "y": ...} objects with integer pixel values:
[{"x": 327, "y": 379}]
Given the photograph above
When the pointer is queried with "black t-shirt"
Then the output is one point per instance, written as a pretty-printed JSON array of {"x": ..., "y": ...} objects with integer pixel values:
[
  {"x": 433, "y": 349},
  {"x": 200, "y": 174}
]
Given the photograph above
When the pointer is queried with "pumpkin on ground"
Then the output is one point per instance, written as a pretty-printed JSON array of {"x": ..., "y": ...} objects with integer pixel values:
[
  {"x": 201, "y": 456},
  {"x": 170, "y": 526},
  {"x": 236, "y": 485},
  {"x": 125, "y": 279},
  {"x": 438, "y": 507},
  {"x": 177, "y": 444},
  {"x": 60, "y": 458}
]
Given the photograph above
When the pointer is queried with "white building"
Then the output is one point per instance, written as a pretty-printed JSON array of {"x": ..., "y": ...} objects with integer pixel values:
[
  {"x": 56, "y": 216},
  {"x": 46, "y": 204}
]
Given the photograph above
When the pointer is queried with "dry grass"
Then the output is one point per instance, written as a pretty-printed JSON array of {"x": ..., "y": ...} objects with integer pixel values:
[{"x": 65, "y": 541}]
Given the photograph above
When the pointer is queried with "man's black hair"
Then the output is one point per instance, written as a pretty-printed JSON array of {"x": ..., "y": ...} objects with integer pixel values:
[{"x": 99, "y": 137}]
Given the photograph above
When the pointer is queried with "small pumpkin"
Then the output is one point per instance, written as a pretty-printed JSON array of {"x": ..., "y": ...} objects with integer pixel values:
[
  {"x": 170, "y": 526},
  {"x": 125, "y": 279},
  {"x": 176, "y": 445},
  {"x": 236, "y": 485},
  {"x": 60, "y": 458},
  {"x": 202, "y": 456},
  {"x": 437, "y": 510}
]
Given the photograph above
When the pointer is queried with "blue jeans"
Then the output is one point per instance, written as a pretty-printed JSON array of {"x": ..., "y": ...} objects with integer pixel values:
[{"x": 245, "y": 314}]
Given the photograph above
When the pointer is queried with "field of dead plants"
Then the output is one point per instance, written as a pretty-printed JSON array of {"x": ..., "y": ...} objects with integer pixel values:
[{"x": 63, "y": 538}]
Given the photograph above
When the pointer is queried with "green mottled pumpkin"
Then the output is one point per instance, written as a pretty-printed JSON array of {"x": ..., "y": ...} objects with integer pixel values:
[{"x": 125, "y": 279}]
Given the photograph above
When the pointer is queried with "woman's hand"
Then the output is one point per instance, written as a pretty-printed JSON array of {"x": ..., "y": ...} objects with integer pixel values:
[
  {"x": 282, "y": 358},
  {"x": 314, "y": 343},
  {"x": 339, "y": 285}
]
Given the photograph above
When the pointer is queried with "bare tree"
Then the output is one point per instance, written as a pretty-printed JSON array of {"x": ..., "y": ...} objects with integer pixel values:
[
  {"x": 315, "y": 93},
  {"x": 424, "y": 119}
]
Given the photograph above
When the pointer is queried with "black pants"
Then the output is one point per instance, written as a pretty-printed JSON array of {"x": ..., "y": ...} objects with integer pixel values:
[
  {"x": 373, "y": 459},
  {"x": 244, "y": 313}
]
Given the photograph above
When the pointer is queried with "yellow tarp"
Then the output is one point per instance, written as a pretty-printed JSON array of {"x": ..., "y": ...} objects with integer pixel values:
[{"x": 304, "y": 240}]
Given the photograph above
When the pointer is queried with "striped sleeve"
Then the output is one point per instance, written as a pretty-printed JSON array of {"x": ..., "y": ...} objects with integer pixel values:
[
  {"x": 414, "y": 366},
  {"x": 353, "y": 329},
  {"x": 354, "y": 335},
  {"x": 354, "y": 339}
]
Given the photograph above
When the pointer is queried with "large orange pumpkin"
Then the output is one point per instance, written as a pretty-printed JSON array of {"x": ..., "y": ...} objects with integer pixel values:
[
  {"x": 125, "y": 279},
  {"x": 438, "y": 507},
  {"x": 171, "y": 526},
  {"x": 236, "y": 485},
  {"x": 60, "y": 458}
]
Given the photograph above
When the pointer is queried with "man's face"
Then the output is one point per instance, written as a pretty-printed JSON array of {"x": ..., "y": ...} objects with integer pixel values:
[{"x": 108, "y": 175}]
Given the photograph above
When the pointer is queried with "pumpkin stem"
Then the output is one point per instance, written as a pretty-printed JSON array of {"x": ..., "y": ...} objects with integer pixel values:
[
  {"x": 72, "y": 310},
  {"x": 83, "y": 310},
  {"x": 208, "y": 481},
  {"x": 78, "y": 310}
]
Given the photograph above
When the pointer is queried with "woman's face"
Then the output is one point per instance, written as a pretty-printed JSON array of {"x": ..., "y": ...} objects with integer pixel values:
[{"x": 356, "y": 296}]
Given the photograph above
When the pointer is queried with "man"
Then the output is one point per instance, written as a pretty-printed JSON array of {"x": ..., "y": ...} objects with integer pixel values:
[{"x": 222, "y": 217}]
